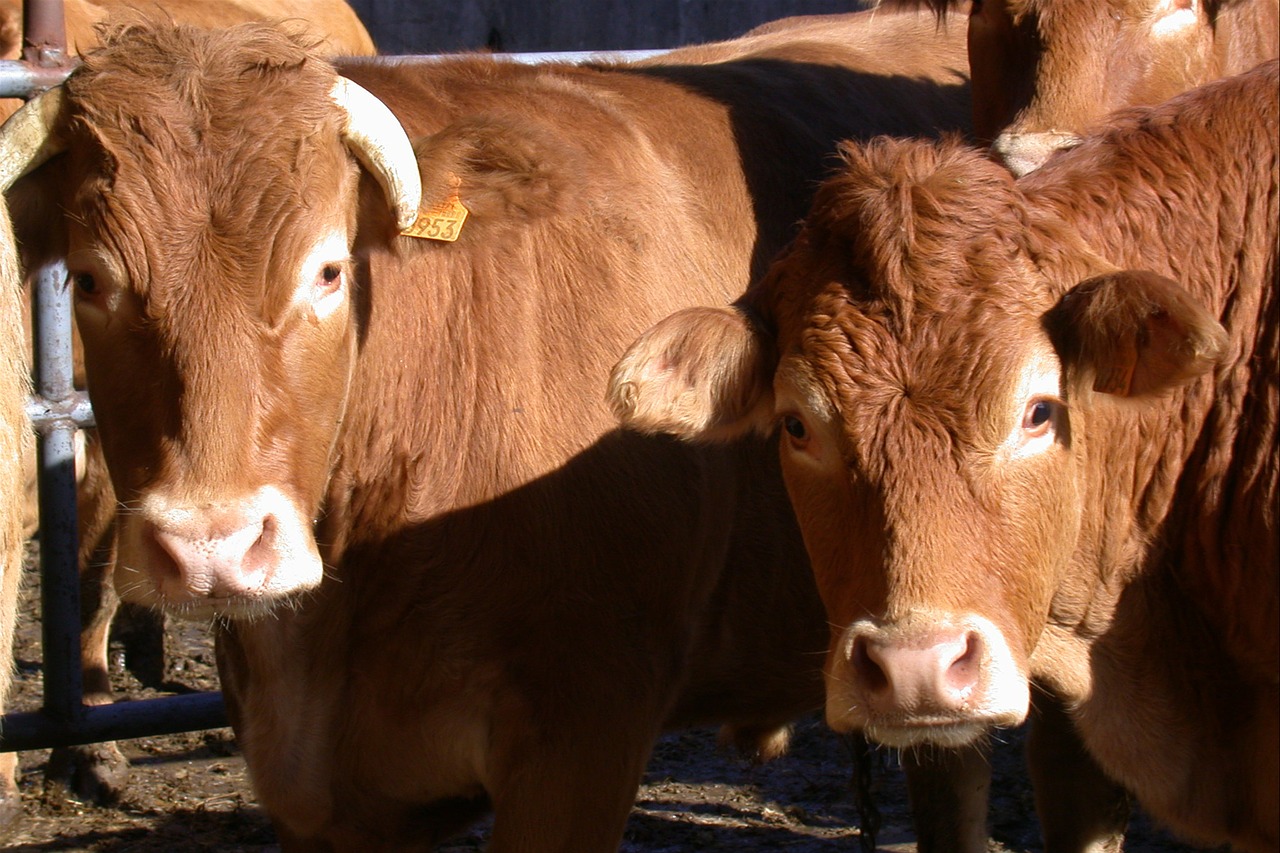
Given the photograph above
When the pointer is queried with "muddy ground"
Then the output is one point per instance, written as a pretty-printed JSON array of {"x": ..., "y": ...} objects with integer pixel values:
[{"x": 190, "y": 792}]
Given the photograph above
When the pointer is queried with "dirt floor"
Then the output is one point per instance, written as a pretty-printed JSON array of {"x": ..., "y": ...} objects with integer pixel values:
[{"x": 190, "y": 792}]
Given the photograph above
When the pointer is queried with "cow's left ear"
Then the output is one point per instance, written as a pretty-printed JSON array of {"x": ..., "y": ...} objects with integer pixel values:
[
  {"x": 704, "y": 374},
  {"x": 1136, "y": 333}
]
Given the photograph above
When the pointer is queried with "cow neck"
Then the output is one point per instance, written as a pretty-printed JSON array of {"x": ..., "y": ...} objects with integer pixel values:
[
  {"x": 284, "y": 674},
  {"x": 1146, "y": 509}
]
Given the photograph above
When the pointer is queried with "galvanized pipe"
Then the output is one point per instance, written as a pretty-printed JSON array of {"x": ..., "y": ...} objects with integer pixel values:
[
  {"x": 56, "y": 460},
  {"x": 20, "y": 80}
]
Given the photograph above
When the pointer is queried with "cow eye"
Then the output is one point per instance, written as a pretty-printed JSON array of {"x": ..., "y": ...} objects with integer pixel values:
[
  {"x": 1038, "y": 417},
  {"x": 85, "y": 283},
  {"x": 330, "y": 276},
  {"x": 795, "y": 428}
]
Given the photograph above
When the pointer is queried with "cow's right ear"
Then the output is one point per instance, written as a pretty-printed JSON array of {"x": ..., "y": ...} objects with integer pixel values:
[
  {"x": 703, "y": 374},
  {"x": 1135, "y": 333}
]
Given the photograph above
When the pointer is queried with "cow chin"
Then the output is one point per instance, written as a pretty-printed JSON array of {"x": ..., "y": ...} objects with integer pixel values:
[
  {"x": 230, "y": 609},
  {"x": 236, "y": 559},
  {"x": 945, "y": 735},
  {"x": 906, "y": 732}
]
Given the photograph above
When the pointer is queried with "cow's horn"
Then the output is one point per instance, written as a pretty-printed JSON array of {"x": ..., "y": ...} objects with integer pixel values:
[
  {"x": 375, "y": 136},
  {"x": 28, "y": 139}
]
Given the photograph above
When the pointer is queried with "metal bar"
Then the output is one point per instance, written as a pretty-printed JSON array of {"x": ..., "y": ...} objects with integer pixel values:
[
  {"x": 44, "y": 33},
  {"x": 145, "y": 718},
  {"x": 56, "y": 458},
  {"x": 20, "y": 80}
]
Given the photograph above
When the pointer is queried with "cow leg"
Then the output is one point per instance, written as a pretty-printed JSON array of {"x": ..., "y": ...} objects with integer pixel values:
[
  {"x": 1081, "y": 810},
  {"x": 97, "y": 772},
  {"x": 569, "y": 797},
  {"x": 948, "y": 791}
]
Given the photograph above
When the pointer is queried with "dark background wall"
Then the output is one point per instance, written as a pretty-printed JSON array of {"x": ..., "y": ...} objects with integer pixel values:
[{"x": 432, "y": 26}]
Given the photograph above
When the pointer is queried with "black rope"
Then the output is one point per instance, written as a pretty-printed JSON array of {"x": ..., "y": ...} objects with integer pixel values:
[{"x": 864, "y": 791}]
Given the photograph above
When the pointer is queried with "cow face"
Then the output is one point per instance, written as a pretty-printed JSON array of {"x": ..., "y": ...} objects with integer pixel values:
[
  {"x": 929, "y": 462},
  {"x": 933, "y": 391},
  {"x": 218, "y": 352},
  {"x": 207, "y": 234},
  {"x": 1045, "y": 70}
]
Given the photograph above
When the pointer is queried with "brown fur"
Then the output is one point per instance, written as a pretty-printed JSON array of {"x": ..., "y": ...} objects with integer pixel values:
[
  {"x": 15, "y": 443},
  {"x": 517, "y": 596},
  {"x": 1130, "y": 563}
]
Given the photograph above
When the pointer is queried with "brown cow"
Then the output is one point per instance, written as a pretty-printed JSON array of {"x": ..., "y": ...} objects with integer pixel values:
[
  {"x": 444, "y": 580},
  {"x": 1064, "y": 461},
  {"x": 1045, "y": 71},
  {"x": 99, "y": 771}
]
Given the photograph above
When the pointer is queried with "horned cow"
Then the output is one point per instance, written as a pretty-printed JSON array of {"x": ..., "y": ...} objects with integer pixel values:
[
  {"x": 1029, "y": 431},
  {"x": 100, "y": 772}
]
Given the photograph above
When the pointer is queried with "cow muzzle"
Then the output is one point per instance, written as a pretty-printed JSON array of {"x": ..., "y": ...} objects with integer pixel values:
[
  {"x": 1025, "y": 152},
  {"x": 231, "y": 558},
  {"x": 929, "y": 678}
]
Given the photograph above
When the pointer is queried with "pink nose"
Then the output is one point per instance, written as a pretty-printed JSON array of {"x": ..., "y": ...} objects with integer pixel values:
[
  {"x": 938, "y": 673},
  {"x": 214, "y": 554}
]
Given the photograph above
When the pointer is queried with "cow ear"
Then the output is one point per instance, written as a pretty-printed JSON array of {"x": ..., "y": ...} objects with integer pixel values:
[
  {"x": 703, "y": 374},
  {"x": 1136, "y": 333}
]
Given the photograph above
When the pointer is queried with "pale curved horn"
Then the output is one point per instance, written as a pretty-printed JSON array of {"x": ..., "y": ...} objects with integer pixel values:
[
  {"x": 375, "y": 136},
  {"x": 27, "y": 138}
]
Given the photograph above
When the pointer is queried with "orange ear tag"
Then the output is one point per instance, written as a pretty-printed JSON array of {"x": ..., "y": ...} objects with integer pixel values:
[{"x": 442, "y": 220}]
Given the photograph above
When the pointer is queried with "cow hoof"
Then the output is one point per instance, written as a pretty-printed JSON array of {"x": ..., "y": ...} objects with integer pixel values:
[{"x": 96, "y": 773}]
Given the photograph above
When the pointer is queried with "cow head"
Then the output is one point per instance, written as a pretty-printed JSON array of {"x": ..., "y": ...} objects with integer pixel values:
[
  {"x": 1049, "y": 69},
  {"x": 931, "y": 386},
  {"x": 207, "y": 230},
  {"x": 1044, "y": 71}
]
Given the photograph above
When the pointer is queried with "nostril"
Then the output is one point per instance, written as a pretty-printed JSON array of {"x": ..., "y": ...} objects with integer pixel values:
[
  {"x": 260, "y": 553},
  {"x": 965, "y": 669},
  {"x": 163, "y": 560},
  {"x": 867, "y": 667}
]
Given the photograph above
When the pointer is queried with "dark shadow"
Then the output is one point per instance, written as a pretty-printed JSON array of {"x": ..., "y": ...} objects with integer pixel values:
[{"x": 772, "y": 103}]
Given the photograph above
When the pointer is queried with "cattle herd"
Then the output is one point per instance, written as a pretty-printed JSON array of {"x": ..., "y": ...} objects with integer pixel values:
[{"x": 500, "y": 417}]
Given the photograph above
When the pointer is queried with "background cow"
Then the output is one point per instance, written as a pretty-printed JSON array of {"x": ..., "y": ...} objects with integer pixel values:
[
  {"x": 99, "y": 771},
  {"x": 1030, "y": 430},
  {"x": 444, "y": 580},
  {"x": 1045, "y": 71}
]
